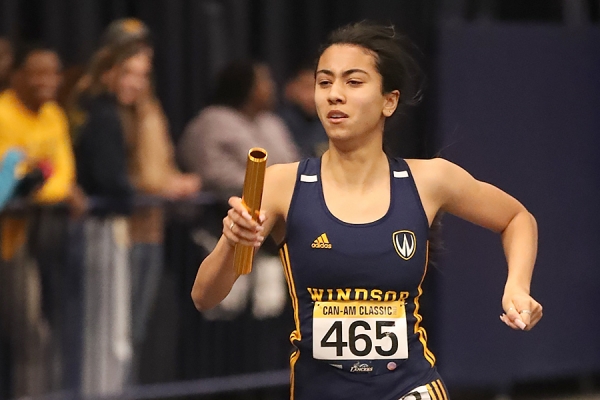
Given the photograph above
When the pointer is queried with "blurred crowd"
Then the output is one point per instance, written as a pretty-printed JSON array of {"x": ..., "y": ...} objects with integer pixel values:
[{"x": 91, "y": 147}]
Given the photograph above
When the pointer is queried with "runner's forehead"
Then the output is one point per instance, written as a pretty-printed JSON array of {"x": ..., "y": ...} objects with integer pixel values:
[{"x": 340, "y": 59}]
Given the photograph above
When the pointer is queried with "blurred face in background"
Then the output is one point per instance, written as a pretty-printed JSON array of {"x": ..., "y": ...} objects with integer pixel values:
[
  {"x": 301, "y": 92},
  {"x": 263, "y": 93},
  {"x": 130, "y": 80},
  {"x": 6, "y": 61},
  {"x": 38, "y": 80}
]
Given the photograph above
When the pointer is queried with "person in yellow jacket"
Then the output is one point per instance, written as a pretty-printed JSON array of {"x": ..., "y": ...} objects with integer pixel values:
[
  {"x": 32, "y": 123},
  {"x": 31, "y": 120}
]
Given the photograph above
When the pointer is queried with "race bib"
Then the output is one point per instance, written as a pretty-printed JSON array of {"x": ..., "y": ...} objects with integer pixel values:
[{"x": 359, "y": 330}]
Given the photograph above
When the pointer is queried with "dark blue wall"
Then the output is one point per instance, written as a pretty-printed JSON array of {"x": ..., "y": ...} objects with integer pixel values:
[{"x": 519, "y": 107}]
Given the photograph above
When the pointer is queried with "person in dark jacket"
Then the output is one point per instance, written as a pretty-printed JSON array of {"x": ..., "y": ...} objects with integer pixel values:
[
  {"x": 100, "y": 148},
  {"x": 116, "y": 77}
]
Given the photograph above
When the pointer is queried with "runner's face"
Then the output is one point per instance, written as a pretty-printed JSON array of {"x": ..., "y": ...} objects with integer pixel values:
[{"x": 348, "y": 93}]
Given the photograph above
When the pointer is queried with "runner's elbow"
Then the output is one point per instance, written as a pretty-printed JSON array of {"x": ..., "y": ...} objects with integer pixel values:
[{"x": 201, "y": 301}]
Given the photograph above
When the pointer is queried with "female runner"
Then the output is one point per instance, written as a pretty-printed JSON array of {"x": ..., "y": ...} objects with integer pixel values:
[{"x": 353, "y": 227}]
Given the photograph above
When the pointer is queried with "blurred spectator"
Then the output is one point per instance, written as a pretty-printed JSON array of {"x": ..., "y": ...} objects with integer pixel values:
[
  {"x": 215, "y": 145},
  {"x": 8, "y": 174},
  {"x": 151, "y": 161},
  {"x": 300, "y": 114},
  {"x": 122, "y": 32},
  {"x": 32, "y": 123},
  {"x": 6, "y": 61},
  {"x": 99, "y": 137},
  {"x": 152, "y": 170},
  {"x": 117, "y": 76}
]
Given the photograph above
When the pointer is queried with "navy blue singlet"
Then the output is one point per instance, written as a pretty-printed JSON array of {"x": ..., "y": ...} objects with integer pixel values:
[{"x": 350, "y": 285}]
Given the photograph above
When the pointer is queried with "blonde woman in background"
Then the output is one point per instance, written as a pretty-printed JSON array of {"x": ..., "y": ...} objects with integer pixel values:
[
  {"x": 101, "y": 156},
  {"x": 150, "y": 169}
]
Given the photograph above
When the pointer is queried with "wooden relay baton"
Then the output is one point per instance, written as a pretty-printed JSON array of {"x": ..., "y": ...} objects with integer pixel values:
[{"x": 251, "y": 199}]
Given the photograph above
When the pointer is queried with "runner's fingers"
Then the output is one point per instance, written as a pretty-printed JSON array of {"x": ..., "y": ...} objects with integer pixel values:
[
  {"x": 524, "y": 309},
  {"x": 514, "y": 317},
  {"x": 241, "y": 222},
  {"x": 504, "y": 318},
  {"x": 243, "y": 217},
  {"x": 536, "y": 316},
  {"x": 241, "y": 229},
  {"x": 238, "y": 235},
  {"x": 510, "y": 324},
  {"x": 237, "y": 204},
  {"x": 535, "y": 319},
  {"x": 524, "y": 313},
  {"x": 262, "y": 217},
  {"x": 530, "y": 311},
  {"x": 235, "y": 239}
]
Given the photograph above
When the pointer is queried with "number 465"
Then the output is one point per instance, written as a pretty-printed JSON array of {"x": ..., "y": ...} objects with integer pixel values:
[{"x": 353, "y": 338}]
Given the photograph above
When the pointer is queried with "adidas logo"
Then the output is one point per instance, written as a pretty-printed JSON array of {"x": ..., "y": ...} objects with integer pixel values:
[{"x": 322, "y": 242}]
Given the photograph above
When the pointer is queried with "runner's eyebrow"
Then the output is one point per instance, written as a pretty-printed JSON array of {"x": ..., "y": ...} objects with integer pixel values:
[{"x": 344, "y": 74}]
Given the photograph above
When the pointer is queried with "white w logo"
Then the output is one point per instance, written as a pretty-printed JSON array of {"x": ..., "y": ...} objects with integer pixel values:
[{"x": 405, "y": 243}]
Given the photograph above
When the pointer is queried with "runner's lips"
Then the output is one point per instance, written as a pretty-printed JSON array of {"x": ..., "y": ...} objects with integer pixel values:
[{"x": 336, "y": 114}]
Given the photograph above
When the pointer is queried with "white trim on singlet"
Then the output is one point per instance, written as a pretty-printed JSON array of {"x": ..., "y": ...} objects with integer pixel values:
[
  {"x": 309, "y": 178},
  {"x": 400, "y": 174}
]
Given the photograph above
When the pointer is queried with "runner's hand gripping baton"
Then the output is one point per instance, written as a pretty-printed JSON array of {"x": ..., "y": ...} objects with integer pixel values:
[{"x": 251, "y": 199}]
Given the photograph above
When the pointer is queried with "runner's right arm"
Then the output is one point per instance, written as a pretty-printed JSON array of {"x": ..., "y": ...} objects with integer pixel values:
[{"x": 216, "y": 274}]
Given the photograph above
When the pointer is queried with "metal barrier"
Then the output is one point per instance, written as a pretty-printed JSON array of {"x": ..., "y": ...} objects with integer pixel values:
[
  {"x": 199, "y": 387},
  {"x": 67, "y": 329}
]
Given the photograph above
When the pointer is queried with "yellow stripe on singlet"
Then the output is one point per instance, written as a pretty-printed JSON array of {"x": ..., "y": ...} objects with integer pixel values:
[
  {"x": 285, "y": 260},
  {"x": 419, "y": 329},
  {"x": 293, "y": 358},
  {"x": 431, "y": 392},
  {"x": 437, "y": 390},
  {"x": 441, "y": 385},
  {"x": 296, "y": 334}
]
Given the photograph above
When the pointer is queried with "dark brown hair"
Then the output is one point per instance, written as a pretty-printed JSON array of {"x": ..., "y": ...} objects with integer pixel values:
[
  {"x": 235, "y": 83},
  {"x": 393, "y": 53}
]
